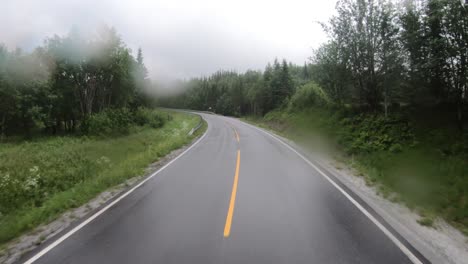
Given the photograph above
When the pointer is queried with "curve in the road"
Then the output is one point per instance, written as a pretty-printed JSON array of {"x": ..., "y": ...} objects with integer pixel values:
[{"x": 281, "y": 208}]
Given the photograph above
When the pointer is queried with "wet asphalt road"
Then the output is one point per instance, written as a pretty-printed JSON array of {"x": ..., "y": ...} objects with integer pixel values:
[{"x": 284, "y": 212}]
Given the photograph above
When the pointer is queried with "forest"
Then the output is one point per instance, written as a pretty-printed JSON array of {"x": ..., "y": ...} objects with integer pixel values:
[
  {"x": 381, "y": 56},
  {"x": 61, "y": 86}
]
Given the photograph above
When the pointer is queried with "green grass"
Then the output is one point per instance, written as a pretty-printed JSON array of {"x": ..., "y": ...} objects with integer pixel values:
[
  {"x": 41, "y": 179},
  {"x": 425, "y": 168}
]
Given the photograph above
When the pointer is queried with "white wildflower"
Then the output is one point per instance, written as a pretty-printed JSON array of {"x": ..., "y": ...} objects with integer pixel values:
[
  {"x": 4, "y": 180},
  {"x": 31, "y": 182},
  {"x": 103, "y": 160},
  {"x": 34, "y": 169}
]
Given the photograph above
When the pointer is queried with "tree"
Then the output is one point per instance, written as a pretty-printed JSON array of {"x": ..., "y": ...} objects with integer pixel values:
[
  {"x": 62, "y": 83},
  {"x": 455, "y": 32},
  {"x": 99, "y": 70},
  {"x": 332, "y": 72},
  {"x": 389, "y": 56},
  {"x": 413, "y": 41},
  {"x": 287, "y": 85},
  {"x": 365, "y": 36}
]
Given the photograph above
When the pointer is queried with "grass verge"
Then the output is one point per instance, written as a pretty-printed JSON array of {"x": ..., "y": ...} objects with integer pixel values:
[
  {"x": 422, "y": 167},
  {"x": 40, "y": 180}
]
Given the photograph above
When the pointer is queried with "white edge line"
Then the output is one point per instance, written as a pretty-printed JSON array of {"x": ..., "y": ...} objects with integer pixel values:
[
  {"x": 94, "y": 216},
  {"x": 395, "y": 240}
]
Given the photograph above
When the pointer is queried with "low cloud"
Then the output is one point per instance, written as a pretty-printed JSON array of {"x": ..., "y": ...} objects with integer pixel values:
[{"x": 180, "y": 39}]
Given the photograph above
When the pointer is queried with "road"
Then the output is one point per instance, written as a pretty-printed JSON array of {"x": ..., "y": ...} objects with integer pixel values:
[{"x": 237, "y": 196}]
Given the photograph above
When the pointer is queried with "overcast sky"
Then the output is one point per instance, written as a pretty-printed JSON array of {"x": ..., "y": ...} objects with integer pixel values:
[{"x": 180, "y": 38}]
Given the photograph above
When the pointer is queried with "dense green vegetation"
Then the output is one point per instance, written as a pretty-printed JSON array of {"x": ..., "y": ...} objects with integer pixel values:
[
  {"x": 120, "y": 121},
  {"x": 42, "y": 178},
  {"x": 381, "y": 56},
  {"x": 230, "y": 93},
  {"x": 60, "y": 85},
  {"x": 389, "y": 89}
]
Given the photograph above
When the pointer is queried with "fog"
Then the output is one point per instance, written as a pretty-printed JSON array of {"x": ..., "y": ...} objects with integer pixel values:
[{"x": 180, "y": 39}]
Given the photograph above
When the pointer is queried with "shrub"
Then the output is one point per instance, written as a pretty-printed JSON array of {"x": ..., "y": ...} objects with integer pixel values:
[
  {"x": 119, "y": 121},
  {"x": 396, "y": 148},
  {"x": 148, "y": 117},
  {"x": 310, "y": 94},
  {"x": 366, "y": 133},
  {"x": 109, "y": 121}
]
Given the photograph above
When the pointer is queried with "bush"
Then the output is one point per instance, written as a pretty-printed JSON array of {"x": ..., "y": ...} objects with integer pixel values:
[
  {"x": 310, "y": 94},
  {"x": 109, "y": 121},
  {"x": 396, "y": 148},
  {"x": 366, "y": 133},
  {"x": 148, "y": 117},
  {"x": 119, "y": 121}
]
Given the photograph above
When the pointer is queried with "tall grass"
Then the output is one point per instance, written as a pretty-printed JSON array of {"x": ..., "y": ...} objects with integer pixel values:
[{"x": 41, "y": 179}]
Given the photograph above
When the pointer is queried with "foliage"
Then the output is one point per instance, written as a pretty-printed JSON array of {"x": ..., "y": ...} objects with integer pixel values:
[
  {"x": 308, "y": 95},
  {"x": 120, "y": 121},
  {"x": 381, "y": 55},
  {"x": 230, "y": 93},
  {"x": 148, "y": 117},
  {"x": 66, "y": 81},
  {"x": 331, "y": 72},
  {"x": 367, "y": 133},
  {"x": 107, "y": 122}
]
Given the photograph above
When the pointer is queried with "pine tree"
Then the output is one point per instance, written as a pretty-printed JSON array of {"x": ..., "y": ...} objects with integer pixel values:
[
  {"x": 305, "y": 72},
  {"x": 287, "y": 86}
]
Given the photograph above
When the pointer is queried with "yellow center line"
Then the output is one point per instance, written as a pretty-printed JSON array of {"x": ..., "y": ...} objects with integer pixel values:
[
  {"x": 235, "y": 131},
  {"x": 237, "y": 135},
  {"x": 227, "y": 227}
]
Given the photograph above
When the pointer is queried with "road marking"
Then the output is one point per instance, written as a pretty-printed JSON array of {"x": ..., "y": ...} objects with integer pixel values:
[
  {"x": 235, "y": 131},
  {"x": 237, "y": 134},
  {"x": 227, "y": 227},
  {"x": 389, "y": 234},
  {"x": 94, "y": 216}
]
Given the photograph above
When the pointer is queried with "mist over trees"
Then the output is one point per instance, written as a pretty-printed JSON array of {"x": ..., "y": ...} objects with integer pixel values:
[
  {"x": 61, "y": 83},
  {"x": 231, "y": 93},
  {"x": 381, "y": 55}
]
